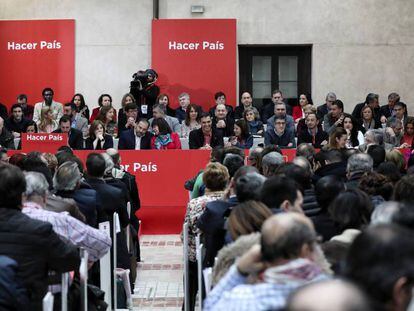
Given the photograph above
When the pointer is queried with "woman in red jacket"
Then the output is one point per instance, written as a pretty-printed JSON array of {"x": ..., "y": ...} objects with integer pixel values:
[
  {"x": 164, "y": 137},
  {"x": 298, "y": 113}
]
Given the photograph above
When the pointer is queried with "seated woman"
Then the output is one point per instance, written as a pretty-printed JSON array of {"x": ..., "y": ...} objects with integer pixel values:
[
  {"x": 298, "y": 111},
  {"x": 31, "y": 127},
  {"x": 367, "y": 120},
  {"x": 164, "y": 100},
  {"x": 241, "y": 138},
  {"x": 355, "y": 137},
  {"x": 97, "y": 139},
  {"x": 128, "y": 98},
  {"x": 215, "y": 179},
  {"x": 252, "y": 117},
  {"x": 105, "y": 100},
  {"x": 47, "y": 124},
  {"x": 407, "y": 140},
  {"x": 106, "y": 116},
  {"x": 81, "y": 107},
  {"x": 337, "y": 140},
  {"x": 164, "y": 137},
  {"x": 191, "y": 121}
]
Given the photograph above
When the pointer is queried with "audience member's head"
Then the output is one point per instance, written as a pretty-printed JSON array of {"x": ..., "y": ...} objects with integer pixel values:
[
  {"x": 280, "y": 193},
  {"x": 233, "y": 162},
  {"x": 384, "y": 212},
  {"x": 359, "y": 163},
  {"x": 299, "y": 174},
  {"x": 255, "y": 156},
  {"x": 380, "y": 261},
  {"x": 67, "y": 177},
  {"x": 114, "y": 153},
  {"x": 249, "y": 186},
  {"x": 109, "y": 164},
  {"x": 404, "y": 190},
  {"x": 397, "y": 158},
  {"x": 247, "y": 217},
  {"x": 12, "y": 186},
  {"x": 327, "y": 189},
  {"x": 95, "y": 165},
  {"x": 270, "y": 162},
  {"x": 335, "y": 295},
  {"x": 377, "y": 154},
  {"x": 373, "y": 184},
  {"x": 351, "y": 209},
  {"x": 215, "y": 177},
  {"x": 307, "y": 151},
  {"x": 287, "y": 236},
  {"x": 51, "y": 160},
  {"x": 17, "y": 159},
  {"x": 390, "y": 170},
  {"x": 36, "y": 188}
]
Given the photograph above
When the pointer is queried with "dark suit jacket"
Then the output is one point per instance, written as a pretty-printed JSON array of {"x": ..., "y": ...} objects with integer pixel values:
[
  {"x": 385, "y": 111},
  {"x": 321, "y": 111},
  {"x": 305, "y": 137},
  {"x": 108, "y": 143},
  {"x": 228, "y": 130},
  {"x": 75, "y": 138},
  {"x": 112, "y": 200},
  {"x": 127, "y": 140},
  {"x": 196, "y": 139},
  {"x": 211, "y": 222}
]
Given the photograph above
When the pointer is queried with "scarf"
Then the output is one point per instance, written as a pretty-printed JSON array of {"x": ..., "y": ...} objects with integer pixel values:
[
  {"x": 162, "y": 140},
  {"x": 295, "y": 271}
]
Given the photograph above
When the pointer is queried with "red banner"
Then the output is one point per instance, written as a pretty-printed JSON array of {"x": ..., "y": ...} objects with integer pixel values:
[
  {"x": 35, "y": 54},
  {"x": 43, "y": 142},
  {"x": 197, "y": 56}
]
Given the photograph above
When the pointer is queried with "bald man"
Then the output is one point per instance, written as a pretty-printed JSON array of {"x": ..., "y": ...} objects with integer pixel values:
[
  {"x": 335, "y": 295},
  {"x": 281, "y": 264}
]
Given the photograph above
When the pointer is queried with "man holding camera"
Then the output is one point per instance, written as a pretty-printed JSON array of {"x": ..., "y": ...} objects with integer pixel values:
[{"x": 145, "y": 91}]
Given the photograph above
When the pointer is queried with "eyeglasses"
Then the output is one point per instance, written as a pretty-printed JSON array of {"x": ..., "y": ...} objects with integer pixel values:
[{"x": 280, "y": 123}]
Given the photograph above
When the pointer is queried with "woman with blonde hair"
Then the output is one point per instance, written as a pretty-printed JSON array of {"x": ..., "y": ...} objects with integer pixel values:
[{"x": 47, "y": 124}]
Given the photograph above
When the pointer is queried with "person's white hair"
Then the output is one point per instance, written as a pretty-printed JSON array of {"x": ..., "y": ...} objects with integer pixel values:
[
  {"x": 36, "y": 184},
  {"x": 67, "y": 176},
  {"x": 384, "y": 213},
  {"x": 109, "y": 163}
]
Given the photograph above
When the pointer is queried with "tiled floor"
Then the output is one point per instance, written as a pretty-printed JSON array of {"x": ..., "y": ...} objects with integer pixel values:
[{"x": 159, "y": 284}]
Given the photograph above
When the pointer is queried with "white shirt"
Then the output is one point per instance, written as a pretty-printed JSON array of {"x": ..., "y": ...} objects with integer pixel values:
[
  {"x": 57, "y": 109},
  {"x": 137, "y": 142}
]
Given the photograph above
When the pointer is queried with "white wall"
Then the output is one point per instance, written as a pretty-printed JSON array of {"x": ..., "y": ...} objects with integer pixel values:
[
  {"x": 113, "y": 39},
  {"x": 359, "y": 46}
]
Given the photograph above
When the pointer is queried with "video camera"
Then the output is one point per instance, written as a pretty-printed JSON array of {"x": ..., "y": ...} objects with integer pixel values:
[{"x": 142, "y": 79}]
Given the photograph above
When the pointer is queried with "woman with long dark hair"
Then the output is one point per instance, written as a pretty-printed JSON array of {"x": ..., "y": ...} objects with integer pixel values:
[
  {"x": 355, "y": 137},
  {"x": 164, "y": 137},
  {"x": 106, "y": 116},
  {"x": 298, "y": 111},
  {"x": 81, "y": 106},
  {"x": 191, "y": 121},
  {"x": 242, "y": 137},
  {"x": 97, "y": 139}
]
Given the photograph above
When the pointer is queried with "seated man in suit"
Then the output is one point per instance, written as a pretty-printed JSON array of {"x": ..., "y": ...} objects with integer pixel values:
[
  {"x": 220, "y": 98},
  {"x": 137, "y": 138},
  {"x": 313, "y": 135},
  {"x": 205, "y": 137},
  {"x": 279, "y": 135},
  {"x": 75, "y": 136},
  {"x": 222, "y": 123},
  {"x": 130, "y": 118},
  {"x": 79, "y": 122}
]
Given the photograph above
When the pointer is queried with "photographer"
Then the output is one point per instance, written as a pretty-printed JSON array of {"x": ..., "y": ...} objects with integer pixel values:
[{"x": 145, "y": 91}]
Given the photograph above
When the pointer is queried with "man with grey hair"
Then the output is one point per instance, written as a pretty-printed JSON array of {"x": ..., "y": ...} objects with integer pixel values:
[
  {"x": 270, "y": 162},
  {"x": 358, "y": 164},
  {"x": 96, "y": 242},
  {"x": 384, "y": 213},
  {"x": 280, "y": 112},
  {"x": 159, "y": 111},
  {"x": 249, "y": 186},
  {"x": 66, "y": 183},
  {"x": 322, "y": 110},
  {"x": 184, "y": 100}
]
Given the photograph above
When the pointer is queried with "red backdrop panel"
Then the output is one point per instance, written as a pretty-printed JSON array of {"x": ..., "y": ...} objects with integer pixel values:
[
  {"x": 35, "y": 54},
  {"x": 197, "y": 56}
]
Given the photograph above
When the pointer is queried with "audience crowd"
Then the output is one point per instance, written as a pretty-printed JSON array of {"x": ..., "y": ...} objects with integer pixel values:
[{"x": 332, "y": 230}]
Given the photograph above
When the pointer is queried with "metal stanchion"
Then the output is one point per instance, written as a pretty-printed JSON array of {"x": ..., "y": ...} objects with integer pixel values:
[
  {"x": 83, "y": 272},
  {"x": 199, "y": 253},
  {"x": 116, "y": 229},
  {"x": 65, "y": 287},
  {"x": 128, "y": 229},
  {"x": 186, "y": 268}
]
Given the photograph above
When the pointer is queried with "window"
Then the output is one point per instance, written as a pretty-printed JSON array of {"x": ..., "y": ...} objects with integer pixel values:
[{"x": 266, "y": 68}]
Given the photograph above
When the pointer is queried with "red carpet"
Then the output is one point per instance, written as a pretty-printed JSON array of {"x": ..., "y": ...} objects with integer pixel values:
[{"x": 161, "y": 220}]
